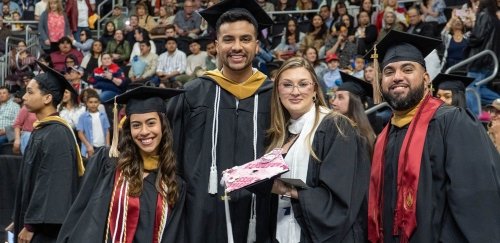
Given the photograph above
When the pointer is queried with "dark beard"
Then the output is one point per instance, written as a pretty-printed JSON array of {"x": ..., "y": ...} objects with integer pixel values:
[{"x": 405, "y": 103}]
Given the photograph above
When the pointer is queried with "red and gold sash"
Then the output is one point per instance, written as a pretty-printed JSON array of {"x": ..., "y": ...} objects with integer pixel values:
[
  {"x": 410, "y": 158},
  {"x": 124, "y": 214}
]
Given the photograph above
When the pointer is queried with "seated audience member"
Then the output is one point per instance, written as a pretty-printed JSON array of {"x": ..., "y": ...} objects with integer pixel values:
[
  {"x": 494, "y": 125},
  {"x": 306, "y": 5},
  {"x": 343, "y": 48},
  {"x": 290, "y": 41},
  {"x": 366, "y": 33},
  {"x": 326, "y": 14},
  {"x": 390, "y": 22},
  {"x": 65, "y": 48},
  {"x": 108, "y": 78},
  {"x": 146, "y": 21},
  {"x": 359, "y": 66},
  {"x": 118, "y": 18},
  {"x": 346, "y": 21},
  {"x": 16, "y": 26},
  {"x": 8, "y": 113},
  {"x": 93, "y": 127},
  {"x": 140, "y": 36},
  {"x": 416, "y": 25},
  {"x": 74, "y": 75},
  {"x": 187, "y": 22},
  {"x": 21, "y": 62},
  {"x": 143, "y": 66},
  {"x": 194, "y": 62},
  {"x": 70, "y": 109},
  {"x": 390, "y": 5},
  {"x": 171, "y": 63},
  {"x": 119, "y": 49},
  {"x": 316, "y": 35},
  {"x": 85, "y": 43},
  {"x": 433, "y": 13},
  {"x": 211, "y": 60},
  {"x": 331, "y": 76},
  {"x": 108, "y": 34},
  {"x": 130, "y": 29},
  {"x": 311, "y": 54},
  {"x": 164, "y": 20},
  {"x": 93, "y": 59}
]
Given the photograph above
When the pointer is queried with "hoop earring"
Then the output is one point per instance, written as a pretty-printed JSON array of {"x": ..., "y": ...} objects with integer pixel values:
[{"x": 314, "y": 99}]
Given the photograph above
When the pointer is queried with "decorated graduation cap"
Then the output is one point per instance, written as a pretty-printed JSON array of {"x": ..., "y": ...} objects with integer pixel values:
[
  {"x": 54, "y": 81},
  {"x": 356, "y": 86},
  {"x": 140, "y": 100},
  {"x": 399, "y": 46},
  {"x": 451, "y": 82},
  {"x": 250, "y": 7}
]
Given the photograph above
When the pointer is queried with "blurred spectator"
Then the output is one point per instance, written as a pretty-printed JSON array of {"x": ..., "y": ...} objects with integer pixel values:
[
  {"x": 359, "y": 67},
  {"x": 339, "y": 11},
  {"x": 4, "y": 32},
  {"x": 211, "y": 60},
  {"x": 366, "y": 33},
  {"x": 164, "y": 20},
  {"x": 140, "y": 36},
  {"x": 65, "y": 48},
  {"x": 331, "y": 76},
  {"x": 21, "y": 62},
  {"x": 494, "y": 125},
  {"x": 267, "y": 6},
  {"x": 346, "y": 20},
  {"x": 85, "y": 43},
  {"x": 70, "y": 61},
  {"x": 130, "y": 29},
  {"x": 306, "y": 5},
  {"x": 417, "y": 26},
  {"x": 40, "y": 7},
  {"x": 70, "y": 109},
  {"x": 23, "y": 126},
  {"x": 118, "y": 18},
  {"x": 290, "y": 40},
  {"x": 78, "y": 12},
  {"x": 53, "y": 26},
  {"x": 119, "y": 49},
  {"x": 433, "y": 13},
  {"x": 6, "y": 13},
  {"x": 455, "y": 42},
  {"x": 108, "y": 34},
  {"x": 283, "y": 5},
  {"x": 11, "y": 6},
  {"x": 93, "y": 59},
  {"x": 146, "y": 21},
  {"x": 367, "y": 6},
  {"x": 171, "y": 63},
  {"x": 311, "y": 54},
  {"x": 326, "y": 15},
  {"x": 369, "y": 73},
  {"x": 74, "y": 76},
  {"x": 16, "y": 26},
  {"x": 44, "y": 59},
  {"x": 343, "y": 48},
  {"x": 390, "y": 23},
  {"x": 195, "y": 61},
  {"x": 187, "y": 22},
  {"x": 143, "y": 66},
  {"x": 316, "y": 35},
  {"x": 108, "y": 78},
  {"x": 484, "y": 36},
  {"x": 8, "y": 113},
  {"x": 391, "y": 5}
]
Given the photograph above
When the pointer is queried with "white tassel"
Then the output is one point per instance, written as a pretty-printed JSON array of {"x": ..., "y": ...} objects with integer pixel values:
[
  {"x": 212, "y": 182},
  {"x": 229, "y": 225},
  {"x": 252, "y": 235}
]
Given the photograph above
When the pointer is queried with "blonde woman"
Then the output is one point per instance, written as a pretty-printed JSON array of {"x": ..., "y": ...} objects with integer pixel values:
[
  {"x": 323, "y": 150},
  {"x": 53, "y": 25}
]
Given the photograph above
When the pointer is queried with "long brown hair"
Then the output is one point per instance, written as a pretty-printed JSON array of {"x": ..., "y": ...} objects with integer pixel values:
[
  {"x": 279, "y": 114},
  {"x": 356, "y": 112},
  {"x": 131, "y": 164}
]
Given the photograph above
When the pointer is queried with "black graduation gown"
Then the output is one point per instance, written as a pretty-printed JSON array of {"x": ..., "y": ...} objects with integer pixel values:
[
  {"x": 191, "y": 114},
  {"x": 458, "y": 198},
  {"x": 86, "y": 221},
  {"x": 334, "y": 208},
  {"x": 48, "y": 181}
]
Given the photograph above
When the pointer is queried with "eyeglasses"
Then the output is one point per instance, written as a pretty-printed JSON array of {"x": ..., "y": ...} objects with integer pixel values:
[{"x": 287, "y": 87}]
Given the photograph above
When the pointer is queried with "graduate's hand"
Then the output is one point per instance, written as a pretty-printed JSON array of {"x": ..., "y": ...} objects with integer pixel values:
[
  {"x": 90, "y": 151},
  {"x": 10, "y": 227},
  {"x": 25, "y": 236}
]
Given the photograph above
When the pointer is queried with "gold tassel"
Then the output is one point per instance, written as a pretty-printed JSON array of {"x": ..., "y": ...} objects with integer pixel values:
[
  {"x": 113, "y": 150},
  {"x": 377, "y": 95}
]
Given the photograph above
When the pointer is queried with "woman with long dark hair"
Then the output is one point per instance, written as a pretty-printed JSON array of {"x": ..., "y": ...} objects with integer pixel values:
[
  {"x": 451, "y": 89},
  {"x": 130, "y": 193},
  {"x": 323, "y": 150},
  {"x": 316, "y": 35},
  {"x": 289, "y": 44},
  {"x": 351, "y": 100}
]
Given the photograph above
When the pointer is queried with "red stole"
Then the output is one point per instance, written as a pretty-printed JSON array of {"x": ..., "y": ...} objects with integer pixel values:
[
  {"x": 410, "y": 158},
  {"x": 124, "y": 214}
]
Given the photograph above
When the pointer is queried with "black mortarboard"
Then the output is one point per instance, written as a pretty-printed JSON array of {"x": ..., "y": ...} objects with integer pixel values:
[
  {"x": 146, "y": 99},
  {"x": 53, "y": 80},
  {"x": 213, "y": 13},
  {"x": 142, "y": 99},
  {"x": 451, "y": 82},
  {"x": 400, "y": 46},
  {"x": 356, "y": 86}
]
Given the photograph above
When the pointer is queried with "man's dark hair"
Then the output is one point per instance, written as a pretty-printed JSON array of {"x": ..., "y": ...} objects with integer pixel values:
[
  {"x": 93, "y": 95},
  {"x": 169, "y": 26},
  {"x": 56, "y": 95},
  {"x": 65, "y": 39},
  {"x": 237, "y": 15},
  {"x": 325, "y": 6},
  {"x": 170, "y": 39},
  {"x": 145, "y": 42},
  {"x": 5, "y": 87}
]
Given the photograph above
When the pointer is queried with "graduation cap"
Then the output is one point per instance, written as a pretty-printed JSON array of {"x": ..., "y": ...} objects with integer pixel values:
[
  {"x": 356, "y": 86},
  {"x": 53, "y": 80},
  {"x": 399, "y": 46},
  {"x": 143, "y": 99},
  {"x": 250, "y": 7},
  {"x": 451, "y": 82}
]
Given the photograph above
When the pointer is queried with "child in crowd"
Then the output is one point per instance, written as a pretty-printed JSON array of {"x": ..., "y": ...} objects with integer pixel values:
[
  {"x": 331, "y": 76},
  {"x": 16, "y": 16},
  {"x": 359, "y": 66},
  {"x": 93, "y": 126}
]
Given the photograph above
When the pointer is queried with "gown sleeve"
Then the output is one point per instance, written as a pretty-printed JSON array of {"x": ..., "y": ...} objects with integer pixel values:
[
  {"x": 338, "y": 183},
  {"x": 473, "y": 169}
]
